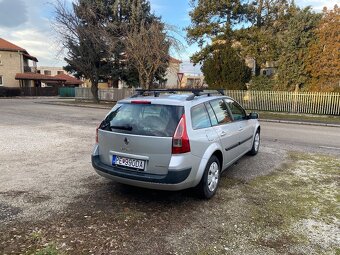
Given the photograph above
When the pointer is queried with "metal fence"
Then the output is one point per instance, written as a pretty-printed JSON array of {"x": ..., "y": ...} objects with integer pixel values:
[
  {"x": 37, "y": 91},
  {"x": 275, "y": 101},
  {"x": 113, "y": 94},
  {"x": 67, "y": 92}
]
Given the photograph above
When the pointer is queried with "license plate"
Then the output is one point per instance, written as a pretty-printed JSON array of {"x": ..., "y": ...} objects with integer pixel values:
[{"x": 128, "y": 162}]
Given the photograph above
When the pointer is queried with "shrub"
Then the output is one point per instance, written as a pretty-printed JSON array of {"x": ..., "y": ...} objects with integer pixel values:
[{"x": 262, "y": 83}]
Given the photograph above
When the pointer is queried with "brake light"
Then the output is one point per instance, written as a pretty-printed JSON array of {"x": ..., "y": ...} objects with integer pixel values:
[
  {"x": 97, "y": 134},
  {"x": 140, "y": 102},
  {"x": 180, "y": 140}
]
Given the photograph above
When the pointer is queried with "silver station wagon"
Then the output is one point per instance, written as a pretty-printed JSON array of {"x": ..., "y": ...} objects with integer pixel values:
[{"x": 170, "y": 140}]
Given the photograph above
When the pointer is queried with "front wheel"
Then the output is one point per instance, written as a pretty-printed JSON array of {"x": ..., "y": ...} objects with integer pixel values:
[
  {"x": 256, "y": 144},
  {"x": 210, "y": 179}
]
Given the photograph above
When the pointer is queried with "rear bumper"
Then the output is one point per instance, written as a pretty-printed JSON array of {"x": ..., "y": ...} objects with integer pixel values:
[{"x": 174, "y": 180}]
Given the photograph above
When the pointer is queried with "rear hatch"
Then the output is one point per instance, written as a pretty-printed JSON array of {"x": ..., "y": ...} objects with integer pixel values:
[{"x": 137, "y": 136}]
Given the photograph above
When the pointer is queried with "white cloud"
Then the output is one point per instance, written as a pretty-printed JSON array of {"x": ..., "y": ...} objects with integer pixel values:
[
  {"x": 318, "y": 5},
  {"x": 36, "y": 34}
]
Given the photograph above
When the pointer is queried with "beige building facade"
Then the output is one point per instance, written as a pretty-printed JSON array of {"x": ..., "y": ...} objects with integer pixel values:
[
  {"x": 172, "y": 74},
  {"x": 14, "y": 60},
  {"x": 191, "y": 81}
]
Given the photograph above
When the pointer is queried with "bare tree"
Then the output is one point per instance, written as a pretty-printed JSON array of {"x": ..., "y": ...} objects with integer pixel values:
[
  {"x": 147, "y": 48},
  {"x": 83, "y": 35}
]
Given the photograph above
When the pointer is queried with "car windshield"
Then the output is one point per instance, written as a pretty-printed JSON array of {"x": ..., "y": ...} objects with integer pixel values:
[{"x": 143, "y": 119}]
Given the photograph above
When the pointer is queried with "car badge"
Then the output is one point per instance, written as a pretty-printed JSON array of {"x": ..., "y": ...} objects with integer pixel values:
[{"x": 126, "y": 141}]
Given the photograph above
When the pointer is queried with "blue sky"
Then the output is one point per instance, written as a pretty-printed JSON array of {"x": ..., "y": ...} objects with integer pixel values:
[{"x": 27, "y": 23}]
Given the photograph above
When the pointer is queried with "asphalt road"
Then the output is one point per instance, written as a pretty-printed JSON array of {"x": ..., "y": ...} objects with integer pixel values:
[{"x": 45, "y": 154}]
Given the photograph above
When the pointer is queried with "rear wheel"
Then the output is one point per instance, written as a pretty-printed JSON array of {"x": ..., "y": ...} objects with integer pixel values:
[
  {"x": 256, "y": 144},
  {"x": 210, "y": 179}
]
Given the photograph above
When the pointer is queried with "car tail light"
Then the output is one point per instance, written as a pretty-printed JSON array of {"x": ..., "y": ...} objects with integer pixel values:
[
  {"x": 140, "y": 102},
  {"x": 97, "y": 134},
  {"x": 180, "y": 140}
]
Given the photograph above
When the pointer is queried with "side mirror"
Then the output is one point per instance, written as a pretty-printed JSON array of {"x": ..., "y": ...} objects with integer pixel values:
[{"x": 253, "y": 115}]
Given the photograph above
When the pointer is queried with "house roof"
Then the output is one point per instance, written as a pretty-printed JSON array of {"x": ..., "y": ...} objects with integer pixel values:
[
  {"x": 60, "y": 78},
  {"x": 38, "y": 76},
  {"x": 8, "y": 46},
  {"x": 69, "y": 79},
  {"x": 175, "y": 61}
]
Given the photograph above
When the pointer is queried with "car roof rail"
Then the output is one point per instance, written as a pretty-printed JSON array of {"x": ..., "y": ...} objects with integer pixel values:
[
  {"x": 157, "y": 92},
  {"x": 195, "y": 92},
  {"x": 209, "y": 93}
]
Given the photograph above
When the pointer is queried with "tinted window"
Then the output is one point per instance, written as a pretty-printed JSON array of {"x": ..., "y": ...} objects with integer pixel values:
[
  {"x": 212, "y": 115},
  {"x": 221, "y": 111},
  {"x": 236, "y": 110},
  {"x": 199, "y": 117},
  {"x": 143, "y": 119}
]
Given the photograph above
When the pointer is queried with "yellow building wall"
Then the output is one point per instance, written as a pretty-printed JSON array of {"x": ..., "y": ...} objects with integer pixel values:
[{"x": 10, "y": 65}]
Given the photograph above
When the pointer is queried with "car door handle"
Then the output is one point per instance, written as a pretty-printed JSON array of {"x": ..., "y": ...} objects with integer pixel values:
[
  {"x": 240, "y": 129},
  {"x": 223, "y": 133}
]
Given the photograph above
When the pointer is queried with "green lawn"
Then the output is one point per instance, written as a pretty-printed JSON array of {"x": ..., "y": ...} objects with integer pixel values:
[{"x": 300, "y": 117}]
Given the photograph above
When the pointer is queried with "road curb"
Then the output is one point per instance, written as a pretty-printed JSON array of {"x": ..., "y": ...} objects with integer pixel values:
[
  {"x": 301, "y": 123},
  {"x": 75, "y": 105}
]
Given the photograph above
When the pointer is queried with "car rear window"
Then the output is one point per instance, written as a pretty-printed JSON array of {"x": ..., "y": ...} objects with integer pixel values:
[
  {"x": 199, "y": 117},
  {"x": 143, "y": 119}
]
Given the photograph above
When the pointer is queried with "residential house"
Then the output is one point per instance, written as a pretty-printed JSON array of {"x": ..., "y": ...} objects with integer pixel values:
[
  {"x": 13, "y": 60},
  {"x": 171, "y": 77},
  {"x": 193, "y": 80},
  {"x": 69, "y": 81},
  {"x": 50, "y": 71},
  {"x": 18, "y": 69}
]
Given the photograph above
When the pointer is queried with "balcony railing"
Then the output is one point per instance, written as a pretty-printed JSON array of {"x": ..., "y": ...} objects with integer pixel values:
[{"x": 30, "y": 69}]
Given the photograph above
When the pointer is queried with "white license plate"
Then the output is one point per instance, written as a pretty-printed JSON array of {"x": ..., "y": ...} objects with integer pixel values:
[{"x": 128, "y": 162}]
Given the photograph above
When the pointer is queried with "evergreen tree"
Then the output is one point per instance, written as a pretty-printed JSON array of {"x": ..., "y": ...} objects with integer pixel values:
[
  {"x": 262, "y": 39},
  {"x": 224, "y": 68},
  {"x": 93, "y": 33},
  {"x": 292, "y": 72},
  {"x": 213, "y": 20},
  {"x": 82, "y": 31}
]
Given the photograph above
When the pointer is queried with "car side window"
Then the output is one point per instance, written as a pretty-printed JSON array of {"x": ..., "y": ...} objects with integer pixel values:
[
  {"x": 221, "y": 111},
  {"x": 212, "y": 115},
  {"x": 236, "y": 110},
  {"x": 199, "y": 117}
]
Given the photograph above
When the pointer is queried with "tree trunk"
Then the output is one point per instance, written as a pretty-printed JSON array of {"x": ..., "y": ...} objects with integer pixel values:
[
  {"x": 147, "y": 83},
  {"x": 257, "y": 68},
  {"x": 94, "y": 90},
  {"x": 141, "y": 81}
]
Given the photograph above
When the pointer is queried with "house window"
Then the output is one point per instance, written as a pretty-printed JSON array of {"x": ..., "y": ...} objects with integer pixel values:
[
  {"x": 1, "y": 81},
  {"x": 60, "y": 72},
  {"x": 47, "y": 72}
]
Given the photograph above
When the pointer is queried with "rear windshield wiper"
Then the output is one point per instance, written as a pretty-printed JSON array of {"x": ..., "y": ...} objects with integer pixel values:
[{"x": 126, "y": 127}]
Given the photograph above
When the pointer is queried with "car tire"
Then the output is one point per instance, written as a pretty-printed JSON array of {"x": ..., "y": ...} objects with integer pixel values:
[
  {"x": 210, "y": 179},
  {"x": 256, "y": 144}
]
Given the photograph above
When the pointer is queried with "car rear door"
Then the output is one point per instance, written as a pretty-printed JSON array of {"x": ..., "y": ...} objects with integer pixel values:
[
  {"x": 245, "y": 128},
  {"x": 226, "y": 129}
]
